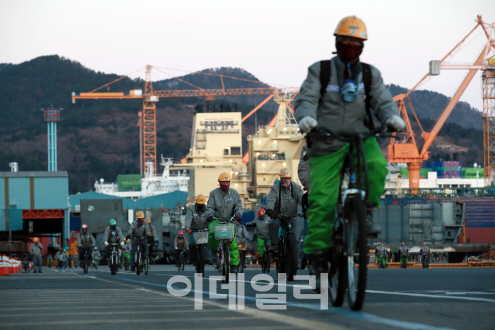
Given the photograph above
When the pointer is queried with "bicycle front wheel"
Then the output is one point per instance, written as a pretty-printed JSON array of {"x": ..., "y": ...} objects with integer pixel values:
[
  {"x": 357, "y": 252},
  {"x": 267, "y": 260},
  {"x": 200, "y": 262},
  {"x": 138, "y": 262},
  {"x": 226, "y": 262}
]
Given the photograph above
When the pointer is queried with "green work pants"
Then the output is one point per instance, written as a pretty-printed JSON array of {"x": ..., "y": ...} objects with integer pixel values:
[
  {"x": 403, "y": 257},
  {"x": 261, "y": 247},
  {"x": 381, "y": 257},
  {"x": 325, "y": 181},
  {"x": 213, "y": 244}
]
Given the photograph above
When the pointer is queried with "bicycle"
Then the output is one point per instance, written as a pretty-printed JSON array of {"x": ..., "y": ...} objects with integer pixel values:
[
  {"x": 425, "y": 261},
  {"x": 138, "y": 260},
  {"x": 85, "y": 261},
  {"x": 302, "y": 260},
  {"x": 94, "y": 263},
  {"x": 265, "y": 267},
  {"x": 146, "y": 262},
  {"x": 286, "y": 260},
  {"x": 201, "y": 239},
  {"x": 114, "y": 258},
  {"x": 350, "y": 233},
  {"x": 26, "y": 266},
  {"x": 225, "y": 233},
  {"x": 381, "y": 261},
  {"x": 181, "y": 261}
]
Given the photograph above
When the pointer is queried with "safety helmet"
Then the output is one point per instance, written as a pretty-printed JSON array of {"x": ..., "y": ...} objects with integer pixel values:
[
  {"x": 224, "y": 177},
  {"x": 140, "y": 215},
  {"x": 148, "y": 220},
  {"x": 261, "y": 212},
  {"x": 424, "y": 243},
  {"x": 181, "y": 233},
  {"x": 96, "y": 248},
  {"x": 35, "y": 240},
  {"x": 380, "y": 243},
  {"x": 402, "y": 243},
  {"x": 65, "y": 250},
  {"x": 285, "y": 173},
  {"x": 84, "y": 226},
  {"x": 200, "y": 199},
  {"x": 113, "y": 222},
  {"x": 351, "y": 26}
]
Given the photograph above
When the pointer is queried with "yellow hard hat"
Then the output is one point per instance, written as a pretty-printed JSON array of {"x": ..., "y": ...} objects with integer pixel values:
[
  {"x": 285, "y": 173},
  {"x": 128, "y": 240},
  {"x": 224, "y": 177},
  {"x": 140, "y": 215},
  {"x": 351, "y": 26},
  {"x": 148, "y": 220},
  {"x": 200, "y": 199},
  {"x": 35, "y": 240}
]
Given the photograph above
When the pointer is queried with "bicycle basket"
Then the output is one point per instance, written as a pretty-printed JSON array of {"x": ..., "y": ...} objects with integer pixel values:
[
  {"x": 201, "y": 237},
  {"x": 224, "y": 231}
]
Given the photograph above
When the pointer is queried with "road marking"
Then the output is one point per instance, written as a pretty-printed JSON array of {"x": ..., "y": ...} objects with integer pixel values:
[
  {"x": 118, "y": 312},
  {"x": 431, "y": 296},
  {"x": 105, "y": 304},
  {"x": 361, "y": 316},
  {"x": 250, "y": 312}
]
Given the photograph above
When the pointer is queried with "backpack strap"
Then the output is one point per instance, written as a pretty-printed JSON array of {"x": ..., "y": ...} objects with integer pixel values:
[
  {"x": 325, "y": 71},
  {"x": 367, "y": 87}
]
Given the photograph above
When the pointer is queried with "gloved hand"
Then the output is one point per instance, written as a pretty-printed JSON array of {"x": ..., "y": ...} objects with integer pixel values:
[
  {"x": 271, "y": 214},
  {"x": 121, "y": 243},
  {"x": 238, "y": 217},
  {"x": 395, "y": 124},
  {"x": 209, "y": 218},
  {"x": 176, "y": 248},
  {"x": 106, "y": 243},
  {"x": 307, "y": 123},
  {"x": 189, "y": 231}
]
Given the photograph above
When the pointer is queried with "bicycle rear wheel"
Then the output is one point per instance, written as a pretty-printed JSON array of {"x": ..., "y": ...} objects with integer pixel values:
[
  {"x": 25, "y": 267},
  {"x": 226, "y": 262},
  {"x": 291, "y": 256},
  {"x": 357, "y": 251},
  {"x": 240, "y": 268},
  {"x": 138, "y": 262}
]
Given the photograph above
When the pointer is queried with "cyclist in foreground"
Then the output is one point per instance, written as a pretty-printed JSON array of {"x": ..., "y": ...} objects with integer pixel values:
[
  {"x": 338, "y": 95},
  {"x": 282, "y": 200},
  {"x": 196, "y": 220},
  {"x": 139, "y": 231},
  {"x": 85, "y": 242},
  {"x": 113, "y": 234},
  {"x": 222, "y": 204}
]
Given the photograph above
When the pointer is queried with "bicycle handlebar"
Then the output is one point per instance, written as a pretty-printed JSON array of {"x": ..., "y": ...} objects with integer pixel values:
[
  {"x": 224, "y": 222},
  {"x": 325, "y": 133},
  {"x": 299, "y": 214}
]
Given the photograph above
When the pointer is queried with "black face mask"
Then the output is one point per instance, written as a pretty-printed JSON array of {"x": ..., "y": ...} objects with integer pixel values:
[
  {"x": 113, "y": 227},
  {"x": 200, "y": 207}
]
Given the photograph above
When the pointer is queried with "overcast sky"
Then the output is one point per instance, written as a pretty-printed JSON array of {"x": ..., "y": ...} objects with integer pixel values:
[{"x": 274, "y": 40}]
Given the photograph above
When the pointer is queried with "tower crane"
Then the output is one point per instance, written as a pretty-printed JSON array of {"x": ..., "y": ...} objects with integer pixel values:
[
  {"x": 150, "y": 97},
  {"x": 406, "y": 150}
]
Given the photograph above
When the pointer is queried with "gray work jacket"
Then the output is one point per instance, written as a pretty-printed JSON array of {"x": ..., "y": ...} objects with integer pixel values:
[
  {"x": 289, "y": 197},
  {"x": 85, "y": 240},
  {"x": 137, "y": 231},
  {"x": 342, "y": 118},
  {"x": 36, "y": 249},
  {"x": 241, "y": 232},
  {"x": 262, "y": 227},
  {"x": 113, "y": 239},
  {"x": 194, "y": 219},
  {"x": 224, "y": 205}
]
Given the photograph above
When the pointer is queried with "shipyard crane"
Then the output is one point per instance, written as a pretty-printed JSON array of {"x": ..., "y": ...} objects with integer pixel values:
[
  {"x": 150, "y": 97},
  {"x": 406, "y": 150}
]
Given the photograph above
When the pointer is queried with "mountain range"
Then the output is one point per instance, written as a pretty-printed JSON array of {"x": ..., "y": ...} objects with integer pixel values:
[{"x": 100, "y": 138}]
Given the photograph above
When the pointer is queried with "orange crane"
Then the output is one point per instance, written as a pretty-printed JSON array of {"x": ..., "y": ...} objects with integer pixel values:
[
  {"x": 147, "y": 119},
  {"x": 406, "y": 150}
]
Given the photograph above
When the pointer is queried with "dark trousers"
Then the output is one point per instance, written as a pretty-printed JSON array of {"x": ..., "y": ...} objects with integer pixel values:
[
  {"x": 274, "y": 227},
  {"x": 144, "y": 249},
  {"x": 177, "y": 253},
  {"x": 81, "y": 253}
]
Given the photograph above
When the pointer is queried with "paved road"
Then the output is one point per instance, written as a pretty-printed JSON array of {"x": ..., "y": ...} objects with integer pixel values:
[{"x": 396, "y": 299}]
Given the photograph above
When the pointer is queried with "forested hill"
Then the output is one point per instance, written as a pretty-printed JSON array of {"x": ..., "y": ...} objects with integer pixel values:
[{"x": 99, "y": 138}]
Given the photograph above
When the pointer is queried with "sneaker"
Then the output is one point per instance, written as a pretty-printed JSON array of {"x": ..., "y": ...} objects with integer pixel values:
[
  {"x": 261, "y": 261},
  {"x": 233, "y": 269},
  {"x": 208, "y": 262},
  {"x": 373, "y": 228},
  {"x": 319, "y": 265},
  {"x": 35, "y": 272},
  {"x": 272, "y": 249},
  {"x": 40, "y": 271},
  {"x": 133, "y": 269}
]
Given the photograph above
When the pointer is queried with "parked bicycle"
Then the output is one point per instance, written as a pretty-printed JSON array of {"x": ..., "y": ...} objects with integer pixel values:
[
  {"x": 224, "y": 233},
  {"x": 201, "y": 239},
  {"x": 288, "y": 253},
  {"x": 25, "y": 266},
  {"x": 349, "y": 254}
]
